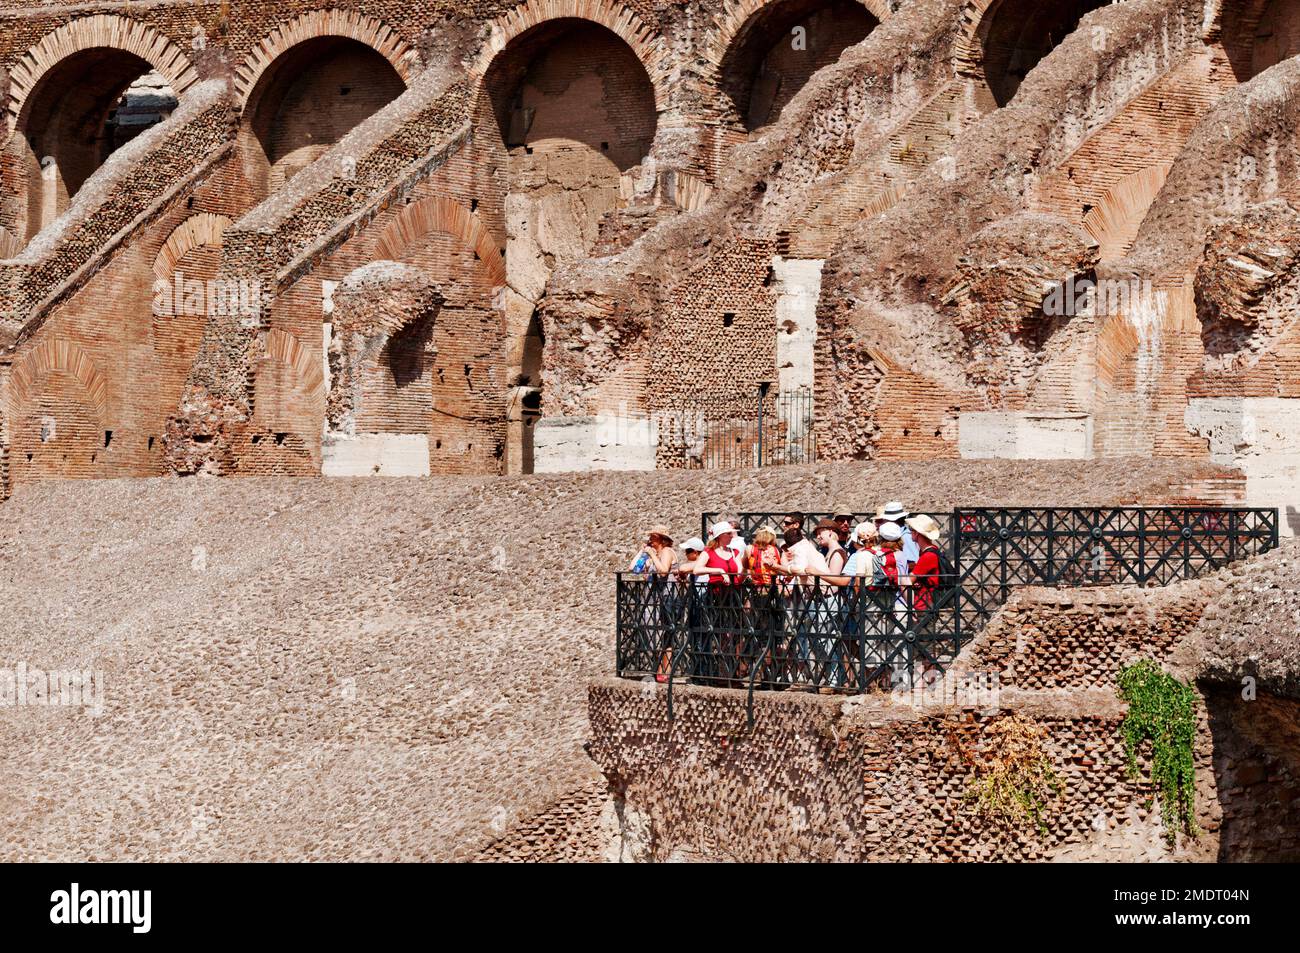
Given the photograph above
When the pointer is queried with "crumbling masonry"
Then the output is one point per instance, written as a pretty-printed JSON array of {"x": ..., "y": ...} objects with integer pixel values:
[{"x": 572, "y": 216}]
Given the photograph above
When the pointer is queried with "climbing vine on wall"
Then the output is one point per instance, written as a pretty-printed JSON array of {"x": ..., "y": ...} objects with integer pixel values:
[
  {"x": 1014, "y": 781},
  {"x": 1162, "y": 711}
]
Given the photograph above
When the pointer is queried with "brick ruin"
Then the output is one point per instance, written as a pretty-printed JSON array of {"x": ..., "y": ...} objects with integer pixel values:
[
  {"x": 973, "y": 228},
  {"x": 890, "y": 777}
]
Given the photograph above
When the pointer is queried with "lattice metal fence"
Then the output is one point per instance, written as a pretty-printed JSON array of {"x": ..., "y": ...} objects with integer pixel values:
[
  {"x": 1073, "y": 546},
  {"x": 777, "y": 430},
  {"x": 851, "y": 638},
  {"x": 783, "y": 634}
]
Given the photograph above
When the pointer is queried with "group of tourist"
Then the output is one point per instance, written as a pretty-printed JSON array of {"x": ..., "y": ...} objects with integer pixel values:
[
  {"x": 894, "y": 549},
  {"x": 746, "y": 589}
]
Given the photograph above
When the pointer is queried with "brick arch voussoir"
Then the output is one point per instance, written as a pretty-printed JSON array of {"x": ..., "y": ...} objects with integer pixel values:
[
  {"x": 286, "y": 349},
  {"x": 737, "y": 14},
  {"x": 55, "y": 354},
  {"x": 648, "y": 45},
  {"x": 9, "y": 244},
  {"x": 196, "y": 231},
  {"x": 374, "y": 33},
  {"x": 441, "y": 214},
  {"x": 104, "y": 30},
  {"x": 1115, "y": 220},
  {"x": 968, "y": 51}
]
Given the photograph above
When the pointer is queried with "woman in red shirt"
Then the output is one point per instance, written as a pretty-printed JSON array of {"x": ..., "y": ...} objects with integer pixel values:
[
  {"x": 925, "y": 572},
  {"x": 717, "y": 649}
]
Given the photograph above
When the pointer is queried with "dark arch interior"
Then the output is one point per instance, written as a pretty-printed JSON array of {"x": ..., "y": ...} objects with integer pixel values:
[
  {"x": 573, "y": 85},
  {"x": 87, "y": 106},
  {"x": 778, "y": 50},
  {"x": 308, "y": 100},
  {"x": 1017, "y": 34},
  {"x": 1259, "y": 34}
]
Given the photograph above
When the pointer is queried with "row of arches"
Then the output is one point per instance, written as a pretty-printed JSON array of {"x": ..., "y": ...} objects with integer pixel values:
[
  {"x": 574, "y": 105},
  {"x": 97, "y": 82}
]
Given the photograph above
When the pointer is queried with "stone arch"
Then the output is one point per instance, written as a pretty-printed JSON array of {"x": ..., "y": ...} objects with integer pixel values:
[
  {"x": 981, "y": 18},
  {"x": 324, "y": 23},
  {"x": 105, "y": 30},
  {"x": 748, "y": 38},
  {"x": 441, "y": 214},
  {"x": 736, "y": 14},
  {"x": 647, "y": 44},
  {"x": 1257, "y": 34},
  {"x": 968, "y": 52},
  {"x": 1115, "y": 221},
  {"x": 204, "y": 228},
  {"x": 55, "y": 354}
]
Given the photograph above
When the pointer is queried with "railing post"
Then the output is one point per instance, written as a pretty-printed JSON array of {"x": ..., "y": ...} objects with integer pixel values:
[{"x": 762, "y": 395}]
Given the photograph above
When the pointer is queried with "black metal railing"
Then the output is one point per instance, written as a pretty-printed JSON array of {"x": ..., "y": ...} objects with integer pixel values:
[
  {"x": 777, "y": 428},
  {"x": 787, "y": 633},
  {"x": 813, "y": 634},
  {"x": 1074, "y": 546}
]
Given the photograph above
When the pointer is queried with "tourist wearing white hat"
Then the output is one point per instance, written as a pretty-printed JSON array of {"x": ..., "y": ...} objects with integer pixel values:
[
  {"x": 866, "y": 551},
  {"x": 717, "y": 651},
  {"x": 719, "y": 561},
  {"x": 692, "y": 549},
  {"x": 896, "y": 512}
]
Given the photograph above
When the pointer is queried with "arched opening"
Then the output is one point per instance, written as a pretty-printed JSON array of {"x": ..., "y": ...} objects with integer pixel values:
[
  {"x": 308, "y": 100},
  {"x": 1275, "y": 36},
  {"x": 1015, "y": 35},
  {"x": 780, "y": 47},
  {"x": 575, "y": 111},
  {"x": 84, "y": 109}
]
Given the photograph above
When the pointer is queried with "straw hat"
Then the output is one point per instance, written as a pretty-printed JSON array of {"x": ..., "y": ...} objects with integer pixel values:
[
  {"x": 926, "y": 526},
  {"x": 848, "y": 511},
  {"x": 659, "y": 529}
]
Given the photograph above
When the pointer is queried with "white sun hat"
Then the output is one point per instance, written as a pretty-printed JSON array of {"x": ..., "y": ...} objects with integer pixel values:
[
  {"x": 891, "y": 532},
  {"x": 719, "y": 529},
  {"x": 694, "y": 543},
  {"x": 926, "y": 526},
  {"x": 895, "y": 512},
  {"x": 864, "y": 531}
]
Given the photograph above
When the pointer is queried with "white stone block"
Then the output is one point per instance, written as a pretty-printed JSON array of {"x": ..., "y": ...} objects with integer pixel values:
[
  {"x": 375, "y": 454},
  {"x": 798, "y": 287},
  {"x": 1024, "y": 435},
  {"x": 1261, "y": 437},
  {"x": 603, "y": 442}
]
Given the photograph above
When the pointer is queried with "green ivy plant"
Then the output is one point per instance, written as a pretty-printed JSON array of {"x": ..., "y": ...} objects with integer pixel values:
[
  {"x": 1013, "y": 778},
  {"x": 1162, "y": 711}
]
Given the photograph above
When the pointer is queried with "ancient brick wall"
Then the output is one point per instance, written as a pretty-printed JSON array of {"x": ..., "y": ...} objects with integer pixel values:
[
  {"x": 630, "y": 174},
  {"x": 1045, "y": 638},
  {"x": 819, "y": 779},
  {"x": 891, "y": 777}
]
